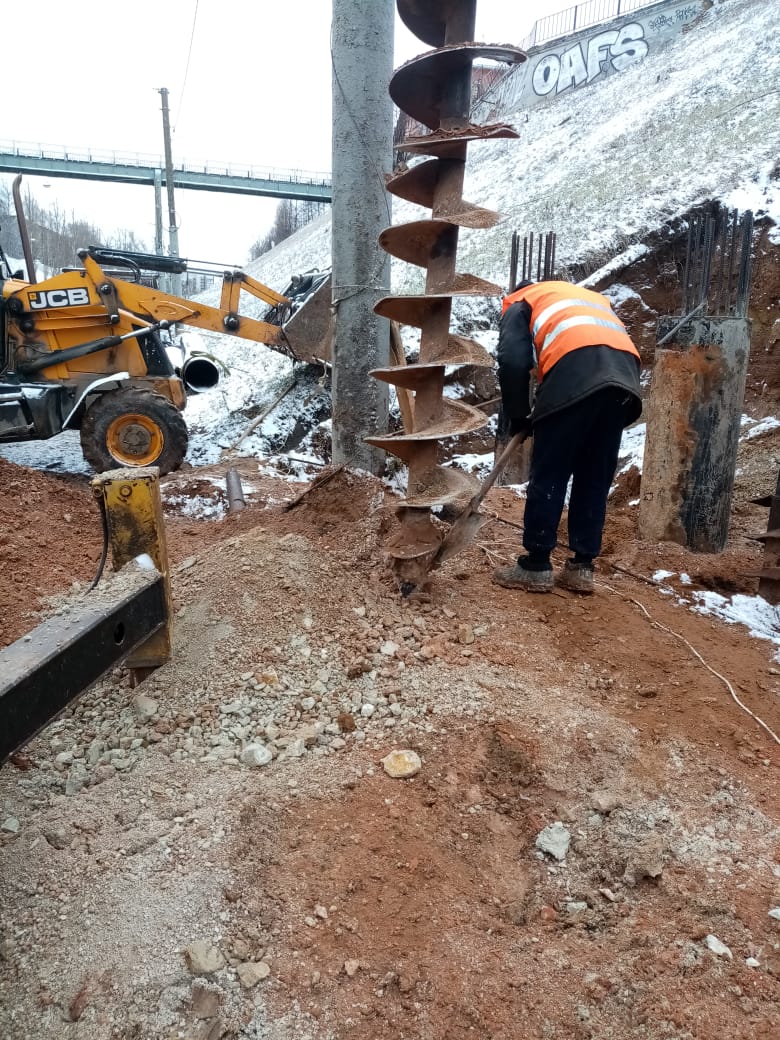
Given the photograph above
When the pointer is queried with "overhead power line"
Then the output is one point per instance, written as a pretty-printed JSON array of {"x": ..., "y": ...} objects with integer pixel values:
[{"x": 187, "y": 66}]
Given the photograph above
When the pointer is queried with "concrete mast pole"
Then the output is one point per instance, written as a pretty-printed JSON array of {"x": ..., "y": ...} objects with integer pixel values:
[
  {"x": 362, "y": 64},
  {"x": 173, "y": 231},
  {"x": 158, "y": 218}
]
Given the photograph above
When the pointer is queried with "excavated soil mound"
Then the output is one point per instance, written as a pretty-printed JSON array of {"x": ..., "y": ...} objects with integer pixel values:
[{"x": 591, "y": 846}]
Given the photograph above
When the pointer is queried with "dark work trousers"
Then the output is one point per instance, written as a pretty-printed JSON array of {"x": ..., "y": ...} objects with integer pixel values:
[{"x": 581, "y": 442}]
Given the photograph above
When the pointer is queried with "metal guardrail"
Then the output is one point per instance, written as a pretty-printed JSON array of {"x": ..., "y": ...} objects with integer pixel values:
[
  {"x": 563, "y": 23},
  {"x": 151, "y": 161}
]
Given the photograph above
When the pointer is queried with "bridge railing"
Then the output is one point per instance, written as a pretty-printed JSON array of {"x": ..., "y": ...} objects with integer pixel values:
[
  {"x": 156, "y": 162},
  {"x": 562, "y": 23}
]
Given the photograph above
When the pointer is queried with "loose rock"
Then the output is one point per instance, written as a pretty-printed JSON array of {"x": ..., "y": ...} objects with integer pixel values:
[
  {"x": 203, "y": 958},
  {"x": 720, "y": 949},
  {"x": 402, "y": 764},
  {"x": 251, "y": 972},
  {"x": 256, "y": 755},
  {"x": 554, "y": 840}
]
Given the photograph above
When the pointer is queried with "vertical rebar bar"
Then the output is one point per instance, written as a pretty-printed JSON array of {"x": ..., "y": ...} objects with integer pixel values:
[
  {"x": 733, "y": 252},
  {"x": 743, "y": 285},
  {"x": 530, "y": 255},
  {"x": 722, "y": 244},
  {"x": 687, "y": 269},
  {"x": 513, "y": 261},
  {"x": 706, "y": 261}
]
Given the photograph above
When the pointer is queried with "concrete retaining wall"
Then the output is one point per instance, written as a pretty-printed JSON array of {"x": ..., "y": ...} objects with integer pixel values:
[{"x": 576, "y": 61}]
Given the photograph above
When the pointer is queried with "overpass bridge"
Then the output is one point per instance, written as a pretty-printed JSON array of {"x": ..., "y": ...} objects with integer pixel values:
[{"x": 60, "y": 161}]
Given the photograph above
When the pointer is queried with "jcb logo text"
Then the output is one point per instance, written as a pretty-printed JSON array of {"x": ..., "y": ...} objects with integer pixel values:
[{"x": 58, "y": 298}]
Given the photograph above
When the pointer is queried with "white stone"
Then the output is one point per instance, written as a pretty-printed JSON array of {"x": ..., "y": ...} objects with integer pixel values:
[
  {"x": 774, "y": 913},
  {"x": 554, "y": 840},
  {"x": 720, "y": 949},
  {"x": 232, "y": 708},
  {"x": 144, "y": 707},
  {"x": 10, "y": 825},
  {"x": 256, "y": 755}
]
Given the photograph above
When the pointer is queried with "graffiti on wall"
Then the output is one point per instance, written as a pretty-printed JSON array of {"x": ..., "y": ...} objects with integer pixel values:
[{"x": 612, "y": 49}]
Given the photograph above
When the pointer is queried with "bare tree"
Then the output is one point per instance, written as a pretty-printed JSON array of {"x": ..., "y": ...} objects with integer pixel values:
[
  {"x": 290, "y": 217},
  {"x": 56, "y": 236}
]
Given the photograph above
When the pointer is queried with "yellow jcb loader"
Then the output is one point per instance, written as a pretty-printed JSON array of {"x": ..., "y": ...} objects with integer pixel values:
[{"x": 83, "y": 350}]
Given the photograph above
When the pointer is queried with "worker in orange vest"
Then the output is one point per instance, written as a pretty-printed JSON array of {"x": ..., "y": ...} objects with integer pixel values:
[{"x": 587, "y": 371}]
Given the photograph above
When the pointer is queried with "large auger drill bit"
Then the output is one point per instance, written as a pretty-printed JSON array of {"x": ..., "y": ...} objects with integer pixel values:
[{"x": 435, "y": 90}]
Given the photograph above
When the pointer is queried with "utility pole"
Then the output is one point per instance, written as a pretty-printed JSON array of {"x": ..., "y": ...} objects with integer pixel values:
[
  {"x": 173, "y": 231},
  {"x": 158, "y": 220},
  {"x": 362, "y": 54}
]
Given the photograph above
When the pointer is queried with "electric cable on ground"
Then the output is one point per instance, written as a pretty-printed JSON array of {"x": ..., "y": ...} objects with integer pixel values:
[{"x": 665, "y": 628}]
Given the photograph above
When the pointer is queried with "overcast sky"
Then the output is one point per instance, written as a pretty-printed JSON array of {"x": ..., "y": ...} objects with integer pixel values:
[{"x": 249, "y": 83}]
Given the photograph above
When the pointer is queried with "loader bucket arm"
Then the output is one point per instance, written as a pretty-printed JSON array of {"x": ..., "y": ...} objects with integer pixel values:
[{"x": 155, "y": 305}]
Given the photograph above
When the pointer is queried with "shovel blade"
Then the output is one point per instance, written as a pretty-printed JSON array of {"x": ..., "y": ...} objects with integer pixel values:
[{"x": 460, "y": 535}]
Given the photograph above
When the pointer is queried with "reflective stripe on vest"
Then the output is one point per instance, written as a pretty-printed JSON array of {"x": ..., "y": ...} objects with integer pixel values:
[{"x": 562, "y": 326}]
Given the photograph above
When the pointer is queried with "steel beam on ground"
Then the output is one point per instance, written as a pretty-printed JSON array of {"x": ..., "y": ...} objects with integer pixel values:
[{"x": 46, "y": 670}]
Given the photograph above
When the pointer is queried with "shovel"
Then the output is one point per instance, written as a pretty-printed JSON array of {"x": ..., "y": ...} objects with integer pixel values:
[{"x": 470, "y": 520}]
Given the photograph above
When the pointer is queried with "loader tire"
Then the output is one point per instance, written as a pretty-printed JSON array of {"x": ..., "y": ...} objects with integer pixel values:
[{"x": 133, "y": 428}]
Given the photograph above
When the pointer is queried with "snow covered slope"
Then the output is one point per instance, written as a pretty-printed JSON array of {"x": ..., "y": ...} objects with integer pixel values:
[{"x": 607, "y": 166}]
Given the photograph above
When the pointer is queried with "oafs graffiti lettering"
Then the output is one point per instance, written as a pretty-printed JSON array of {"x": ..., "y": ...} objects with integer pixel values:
[{"x": 583, "y": 62}]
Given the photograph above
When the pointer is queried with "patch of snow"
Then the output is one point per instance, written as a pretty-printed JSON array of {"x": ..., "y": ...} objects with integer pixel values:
[
  {"x": 60, "y": 454},
  {"x": 632, "y": 447},
  {"x": 480, "y": 465},
  {"x": 618, "y": 294},
  {"x": 760, "y": 618},
  {"x": 197, "y": 507},
  {"x": 767, "y": 424},
  {"x": 663, "y": 575}
]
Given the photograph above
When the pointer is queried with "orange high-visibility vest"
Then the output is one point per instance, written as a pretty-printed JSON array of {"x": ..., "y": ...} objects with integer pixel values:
[{"x": 565, "y": 317}]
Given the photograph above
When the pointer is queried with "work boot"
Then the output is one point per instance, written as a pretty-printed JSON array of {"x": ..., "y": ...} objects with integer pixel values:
[
  {"x": 577, "y": 576},
  {"x": 526, "y": 574}
]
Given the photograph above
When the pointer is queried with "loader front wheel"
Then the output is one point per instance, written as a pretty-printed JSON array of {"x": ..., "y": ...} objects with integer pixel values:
[{"x": 133, "y": 428}]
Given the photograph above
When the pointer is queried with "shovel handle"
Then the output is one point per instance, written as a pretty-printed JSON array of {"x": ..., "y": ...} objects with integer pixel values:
[{"x": 498, "y": 466}]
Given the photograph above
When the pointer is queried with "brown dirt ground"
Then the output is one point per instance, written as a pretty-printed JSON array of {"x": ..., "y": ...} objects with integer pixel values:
[
  {"x": 453, "y": 925},
  {"x": 456, "y": 928}
]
